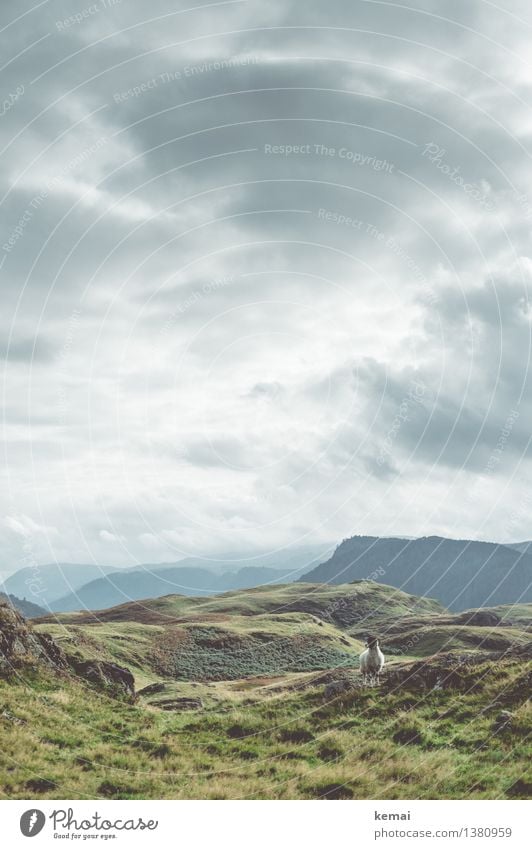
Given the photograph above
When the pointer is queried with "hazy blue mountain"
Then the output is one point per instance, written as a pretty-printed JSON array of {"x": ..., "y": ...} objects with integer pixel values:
[
  {"x": 45, "y": 584},
  {"x": 27, "y": 608},
  {"x": 191, "y": 576},
  {"x": 520, "y": 546},
  {"x": 120, "y": 587},
  {"x": 461, "y": 574}
]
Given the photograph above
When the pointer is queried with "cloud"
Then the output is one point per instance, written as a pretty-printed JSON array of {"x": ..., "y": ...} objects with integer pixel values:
[{"x": 237, "y": 240}]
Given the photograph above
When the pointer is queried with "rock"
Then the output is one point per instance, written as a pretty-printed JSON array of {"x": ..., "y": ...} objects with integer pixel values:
[
  {"x": 334, "y": 791},
  {"x": 520, "y": 789},
  {"x": 410, "y": 736},
  {"x": 503, "y": 721},
  {"x": 107, "y": 676},
  {"x": 20, "y": 646},
  {"x": 181, "y": 703},
  {"x": 479, "y": 618},
  {"x": 440, "y": 672},
  {"x": 40, "y": 785},
  {"x": 151, "y": 689}
]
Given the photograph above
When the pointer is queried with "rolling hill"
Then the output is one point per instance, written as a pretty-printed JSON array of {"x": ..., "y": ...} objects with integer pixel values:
[
  {"x": 461, "y": 574},
  {"x": 256, "y": 694}
]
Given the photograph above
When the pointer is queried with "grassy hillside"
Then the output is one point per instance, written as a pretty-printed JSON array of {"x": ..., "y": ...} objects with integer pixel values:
[
  {"x": 200, "y": 650},
  {"x": 61, "y": 740},
  {"x": 257, "y": 694},
  {"x": 260, "y": 631},
  {"x": 360, "y": 601},
  {"x": 275, "y": 630}
]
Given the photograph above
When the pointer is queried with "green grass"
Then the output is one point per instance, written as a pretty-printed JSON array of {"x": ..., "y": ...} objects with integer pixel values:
[
  {"x": 200, "y": 650},
  {"x": 428, "y": 639},
  {"x": 341, "y": 604},
  {"x": 63, "y": 740},
  {"x": 255, "y": 658}
]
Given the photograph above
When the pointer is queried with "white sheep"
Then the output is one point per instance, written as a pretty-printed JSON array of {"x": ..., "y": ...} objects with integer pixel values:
[{"x": 371, "y": 661}]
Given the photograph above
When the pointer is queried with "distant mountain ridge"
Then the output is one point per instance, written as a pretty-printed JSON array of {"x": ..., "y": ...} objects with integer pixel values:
[
  {"x": 461, "y": 574},
  {"x": 190, "y": 577},
  {"x": 72, "y": 586},
  {"x": 119, "y": 587},
  {"x": 47, "y": 582},
  {"x": 27, "y": 608}
]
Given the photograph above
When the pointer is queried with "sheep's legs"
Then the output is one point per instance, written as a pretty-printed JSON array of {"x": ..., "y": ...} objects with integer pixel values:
[{"x": 370, "y": 679}]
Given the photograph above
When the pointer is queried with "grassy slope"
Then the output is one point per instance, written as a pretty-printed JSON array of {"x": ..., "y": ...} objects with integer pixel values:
[
  {"x": 272, "y": 630},
  {"x": 204, "y": 650},
  {"x": 364, "y": 597},
  {"x": 66, "y": 741},
  {"x": 268, "y": 733},
  {"x": 262, "y": 631}
]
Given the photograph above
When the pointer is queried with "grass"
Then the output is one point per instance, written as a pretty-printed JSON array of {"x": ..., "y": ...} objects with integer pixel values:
[
  {"x": 258, "y": 659},
  {"x": 202, "y": 650},
  {"x": 62, "y": 740}
]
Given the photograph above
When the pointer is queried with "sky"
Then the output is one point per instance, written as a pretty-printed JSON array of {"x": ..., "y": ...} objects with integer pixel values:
[{"x": 265, "y": 273}]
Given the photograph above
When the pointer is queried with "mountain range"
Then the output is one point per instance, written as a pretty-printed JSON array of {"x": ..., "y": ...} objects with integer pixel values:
[
  {"x": 27, "y": 608},
  {"x": 70, "y": 586},
  {"x": 461, "y": 574},
  {"x": 47, "y": 582}
]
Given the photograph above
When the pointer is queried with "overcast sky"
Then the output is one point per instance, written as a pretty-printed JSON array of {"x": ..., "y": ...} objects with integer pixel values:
[{"x": 264, "y": 273}]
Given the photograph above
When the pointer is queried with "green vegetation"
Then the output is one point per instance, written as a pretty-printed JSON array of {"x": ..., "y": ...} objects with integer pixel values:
[
  {"x": 256, "y": 695},
  {"x": 204, "y": 651},
  {"x": 63, "y": 740}
]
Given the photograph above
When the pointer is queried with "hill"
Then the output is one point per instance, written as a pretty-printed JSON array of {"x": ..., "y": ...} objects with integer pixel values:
[
  {"x": 27, "y": 608},
  {"x": 461, "y": 574},
  {"x": 256, "y": 694},
  {"x": 260, "y": 631}
]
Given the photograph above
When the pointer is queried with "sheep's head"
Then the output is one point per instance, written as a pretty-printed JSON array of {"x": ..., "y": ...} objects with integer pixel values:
[{"x": 371, "y": 642}]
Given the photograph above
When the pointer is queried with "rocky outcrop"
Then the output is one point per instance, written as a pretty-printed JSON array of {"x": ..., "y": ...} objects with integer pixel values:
[
  {"x": 116, "y": 680},
  {"x": 22, "y": 648},
  {"x": 338, "y": 688},
  {"x": 450, "y": 671},
  {"x": 479, "y": 618}
]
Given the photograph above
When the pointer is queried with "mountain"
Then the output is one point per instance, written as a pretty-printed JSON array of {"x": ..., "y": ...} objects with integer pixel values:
[
  {"x": 27, "y": 608},
  {"x": 44, "y": 584},
  {"x": 119, "y": 587},
  {"x": 57, "y": 586},
  {"x": 520, "y": 546},
  {"x": 461, "y": 574}
]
